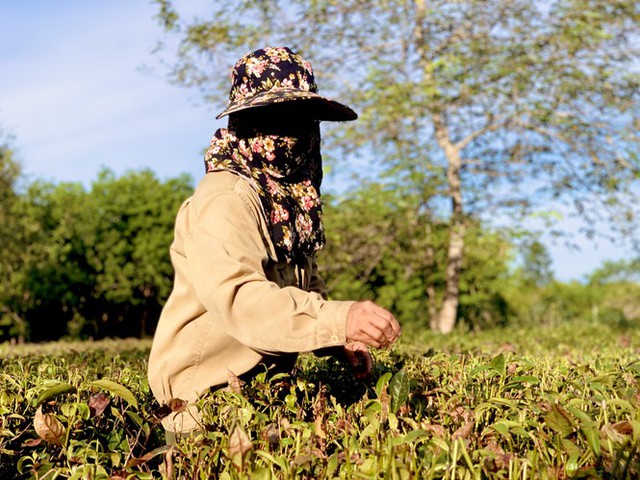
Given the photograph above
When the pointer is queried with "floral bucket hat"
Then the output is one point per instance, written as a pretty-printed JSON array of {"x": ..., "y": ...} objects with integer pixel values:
[{"x": 276, "y": 74}]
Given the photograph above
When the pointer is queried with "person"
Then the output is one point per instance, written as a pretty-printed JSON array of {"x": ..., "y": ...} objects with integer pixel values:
[{"x": 247, "y": 295}]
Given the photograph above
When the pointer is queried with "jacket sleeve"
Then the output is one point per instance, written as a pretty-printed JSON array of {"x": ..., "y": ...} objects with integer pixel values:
[{"x": 226, "y": 252}]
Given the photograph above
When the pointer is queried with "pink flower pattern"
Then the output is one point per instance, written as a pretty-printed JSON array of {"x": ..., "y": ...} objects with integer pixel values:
[{"x": 286, "y": 173}]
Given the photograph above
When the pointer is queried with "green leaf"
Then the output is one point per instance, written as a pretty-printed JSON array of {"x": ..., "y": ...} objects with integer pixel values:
[
  {"x": 502, "y": 428},
  {"x": 116, "y": 389},
  {"x": 572, "y": 465},
  {"x": 56, "y": 389},
  {"x": 592, "y": 435},
  {"x": 413, "y": 436},
  {"x": 499, "y": 364},
  {"x": 558, "y": 420},
  {"x": 519, "y": 380},
  {"x": 382, "y": 381},
  {"x": 399, "y": 390},
  {"x": 393, "y": 421}
]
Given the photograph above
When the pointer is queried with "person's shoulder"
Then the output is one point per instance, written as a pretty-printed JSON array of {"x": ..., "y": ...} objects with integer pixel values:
[
  {"x": 218, "y": 181},
  {"x": 223, "y": 183}
]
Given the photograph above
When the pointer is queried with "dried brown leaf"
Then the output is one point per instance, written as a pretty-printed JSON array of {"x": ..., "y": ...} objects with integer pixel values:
[
  {"x": 135, "y": 461},
  {"x": 235, "y": 384},
  {"x": 177, "y": 405},
  {"x": 239, "y": 446},
  {"x": 32, "y": 442},
  {"x": 319, "y": 426},
  {"x": 285, "y": 425},
  {"x": 458, "y": 413},
  {"x": 353, "y": 458},
  {"x": 437, "y": 430},
  {"x": 463, "y": 431},
  {"x": 624, "y": 340},
  {"x": 302, "y": 459},
  {"x": 618, "y": 432},
  {"x": 506, "y": 347},
  {"x": 98, "y": 402},
  {"x": 271, "y": 434},
  {"x": 385, "y": 401},
  {"x": 623, "y": 428},
  {"x": 48, "y": 427}
]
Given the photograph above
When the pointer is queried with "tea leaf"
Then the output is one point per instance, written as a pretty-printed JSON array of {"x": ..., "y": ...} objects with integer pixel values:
[
  {"x": 382, "y": 382},
  {"x": 116, "y": 389},
  {"x": 572, "y": 465},
  {"x": 48, "y": 427},
  {"x": 593, "y": 438},
  {"x": 498, "y": 364},
  {"x": 56, "y": 389},
  {"x": 557, "y": 419},
  {"x": 148, "y": 456},
  {"x": 414, "y": 435},
  {"x": 97, "y": 403},
  {"x": 399, "y": 390},
  {"x": 239, "y": 445},
  {"x": 530, "y": 379}
]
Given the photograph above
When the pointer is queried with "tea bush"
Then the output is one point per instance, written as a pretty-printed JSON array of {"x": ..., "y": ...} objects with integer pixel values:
[{"x": 553, "y": 402}]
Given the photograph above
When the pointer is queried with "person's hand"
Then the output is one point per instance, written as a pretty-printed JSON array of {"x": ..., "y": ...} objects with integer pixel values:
[
  {"x": 358, "y": 357},
  {"x": 372, "y": 325}
]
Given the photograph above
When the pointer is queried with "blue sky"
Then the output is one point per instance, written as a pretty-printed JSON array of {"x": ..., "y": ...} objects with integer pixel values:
[{"x": 80, "y": 89}]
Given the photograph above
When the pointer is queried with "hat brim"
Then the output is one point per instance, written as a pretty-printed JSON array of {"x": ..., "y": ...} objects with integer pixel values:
[{"x": 321, "y": 108}]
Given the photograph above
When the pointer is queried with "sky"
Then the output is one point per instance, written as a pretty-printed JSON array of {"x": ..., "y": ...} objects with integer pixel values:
[{"x": 80, "y": 89}]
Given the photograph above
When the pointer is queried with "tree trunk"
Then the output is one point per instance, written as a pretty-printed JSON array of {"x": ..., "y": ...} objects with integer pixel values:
[
  {"x": 446, "y": 318},
  {"x": 449, "y": 311}
]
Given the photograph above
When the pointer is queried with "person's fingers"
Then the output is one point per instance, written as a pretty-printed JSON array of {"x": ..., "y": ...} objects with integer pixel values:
[
  {"x": 372, "y": 337},
  {"x": 387, "y": 329},
  {"x": 372, "y": 324},
  {"x": 388, "y": 318},
  {"x": 359, "y": 329},
  {"x": 389, "y": 326}
]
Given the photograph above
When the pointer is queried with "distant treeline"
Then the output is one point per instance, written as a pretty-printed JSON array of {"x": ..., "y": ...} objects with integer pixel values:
[{"x": 94, "y": 262}]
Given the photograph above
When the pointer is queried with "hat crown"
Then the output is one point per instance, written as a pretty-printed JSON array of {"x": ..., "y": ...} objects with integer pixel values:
[{"x": 270, "y": 69}]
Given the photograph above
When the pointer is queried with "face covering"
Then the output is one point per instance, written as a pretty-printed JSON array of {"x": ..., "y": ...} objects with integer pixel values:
[{"x": 285, "y": 169}]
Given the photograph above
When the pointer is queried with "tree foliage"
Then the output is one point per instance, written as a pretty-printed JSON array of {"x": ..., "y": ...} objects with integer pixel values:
[
  {"x": 12, "y": 239},
  {"x": 503, "y": 106},
  {"x": 374, "y": 239},
  {"x": 89, "y": 262},
  {"x": 134, "y": 229}
]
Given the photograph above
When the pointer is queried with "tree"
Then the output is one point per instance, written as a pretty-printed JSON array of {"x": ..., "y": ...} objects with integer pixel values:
[
  {"x": 134, "y": 218},
  {"x": 515, "y": 103},
  {"x": 374, "y": 236},
  {"x": 55, "y": 278},
  {"x": 87, "y": 263},
  {"x": 536, "y": 267},
  {"x": 12, "y": 322}
]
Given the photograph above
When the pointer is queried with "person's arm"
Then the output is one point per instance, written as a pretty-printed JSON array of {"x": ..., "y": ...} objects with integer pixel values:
[{"x": 226, "y": 253}]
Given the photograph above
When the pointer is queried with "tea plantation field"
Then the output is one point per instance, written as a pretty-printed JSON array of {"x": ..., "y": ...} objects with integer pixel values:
[{"x": 552, "y": 402}]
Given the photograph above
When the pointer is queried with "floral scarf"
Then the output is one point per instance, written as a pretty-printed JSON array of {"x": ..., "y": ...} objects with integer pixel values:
[{"x": 286, "y": 172}]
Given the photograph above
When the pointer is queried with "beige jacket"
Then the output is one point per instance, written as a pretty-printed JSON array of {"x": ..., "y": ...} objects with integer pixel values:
[{"x": 233, "y": 305}]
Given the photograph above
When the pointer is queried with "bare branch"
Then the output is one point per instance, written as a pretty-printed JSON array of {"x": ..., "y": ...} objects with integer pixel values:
[{"x": 490, "y": 127}]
